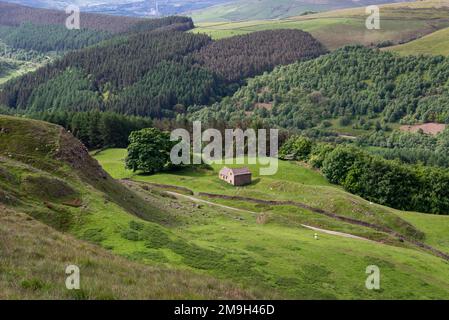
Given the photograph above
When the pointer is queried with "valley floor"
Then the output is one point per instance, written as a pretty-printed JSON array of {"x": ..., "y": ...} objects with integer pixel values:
[{"x": 273, "y": 247}]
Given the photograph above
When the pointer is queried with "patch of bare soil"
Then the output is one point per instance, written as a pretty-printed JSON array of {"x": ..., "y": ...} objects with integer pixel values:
[{"x": 427, "y": 128}]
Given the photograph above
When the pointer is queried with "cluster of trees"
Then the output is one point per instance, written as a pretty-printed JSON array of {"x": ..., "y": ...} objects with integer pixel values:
[
  {"x": 386, "y": 182},
  {"x": 409, "y": 147},
  {"x": 349, "y": 82},
  {"x": 44, "y": 38},
  {"x": 165, "y": 91},
  {"x": 20, "y": 54},
  {"x": 96, "y": 129},
  {"x": 240, "y": 57}
]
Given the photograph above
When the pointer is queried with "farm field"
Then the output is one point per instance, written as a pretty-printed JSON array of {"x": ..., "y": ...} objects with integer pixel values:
[
  {"x": 433, "y": 44},
  {"x": 400, "y": 23}
]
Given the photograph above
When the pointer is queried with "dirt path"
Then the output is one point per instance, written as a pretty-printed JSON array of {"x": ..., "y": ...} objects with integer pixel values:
[
  {"x": 334, "y": 233},
  {"x": 179, "y": 195}
]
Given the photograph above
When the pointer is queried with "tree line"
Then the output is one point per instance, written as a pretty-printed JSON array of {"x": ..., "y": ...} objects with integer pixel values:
[
  {"x": 96, "y": 129},
  {"x": 404, "y": 187},
  {"x": 409, "y": 147},
  {"x": 45, "y": 38},
  {"x": 240, "y": 57}
]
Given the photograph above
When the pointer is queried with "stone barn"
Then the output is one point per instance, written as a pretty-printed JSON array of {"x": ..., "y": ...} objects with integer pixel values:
[{"x": 236, "y": 177}]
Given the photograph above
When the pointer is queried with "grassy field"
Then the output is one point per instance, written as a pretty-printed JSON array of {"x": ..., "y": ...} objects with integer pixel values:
[
  {"x": 291, "y": 182},
  {"x": 436, "y": 43},
  {"x": 281, "y": 253},
  {"x": 400, "y": 22}
]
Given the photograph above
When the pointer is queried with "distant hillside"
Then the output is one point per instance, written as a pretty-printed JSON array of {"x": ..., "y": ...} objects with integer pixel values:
[
  {"x": 14, "y": 15},
  {"x": 400, "y": 22},
  {"x": 353, "y": 82},
  {"x": 47, "y": 177},
  {"x": 436, "y": 43},
  {"x": 136, "y": 8},
  {"x": 155, "y": 73},
  {"x": 240, "y": 10}
]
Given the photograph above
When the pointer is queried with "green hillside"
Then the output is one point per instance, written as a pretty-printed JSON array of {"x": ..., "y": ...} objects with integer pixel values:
[
  {"x": 276, "y": 247},
  {"x": 50, "y": 191},
  {"x": 368, "y": 88},
  {"x": 400, "y": 22},
  {"x": 436, "y": 43}
]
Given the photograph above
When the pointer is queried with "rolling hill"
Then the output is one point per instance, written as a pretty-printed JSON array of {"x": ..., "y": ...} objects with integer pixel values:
[
  {"x": 361, "y": 84},
  {"x": 433, "y": 44},
  {"x": 400, "y": 22}
]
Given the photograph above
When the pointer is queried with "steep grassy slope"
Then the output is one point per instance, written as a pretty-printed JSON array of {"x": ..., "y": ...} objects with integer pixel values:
[
  {"x": 436, "y": 43},
  {"x": 34, "y": 257},
  {"x": 47, "y": 175},
  {"x": 400, "y": 23},
  {"x": 276, "y": 248}
]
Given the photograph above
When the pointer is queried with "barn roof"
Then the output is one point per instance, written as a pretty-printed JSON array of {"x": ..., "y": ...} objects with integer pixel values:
[{"x": 235, "y": 171}]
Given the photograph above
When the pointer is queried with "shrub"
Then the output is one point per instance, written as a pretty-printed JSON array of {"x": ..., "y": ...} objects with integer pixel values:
[
  {"x": 319, "y": 153},
  {"x": 338, "y": 163},
  {"x": 297, "y": 147}
]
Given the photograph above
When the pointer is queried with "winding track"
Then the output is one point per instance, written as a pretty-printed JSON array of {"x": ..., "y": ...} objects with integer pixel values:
[{"x": 334, "y": 233}]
